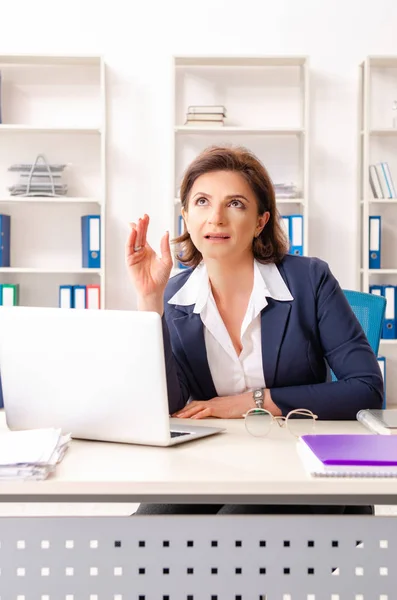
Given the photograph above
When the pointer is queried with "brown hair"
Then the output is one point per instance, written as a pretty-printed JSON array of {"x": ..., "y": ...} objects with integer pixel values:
[{"x": 272, "y": 244}]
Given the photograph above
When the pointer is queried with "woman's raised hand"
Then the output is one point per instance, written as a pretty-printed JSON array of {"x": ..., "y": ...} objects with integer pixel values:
[{"x": 148, "y": 271}]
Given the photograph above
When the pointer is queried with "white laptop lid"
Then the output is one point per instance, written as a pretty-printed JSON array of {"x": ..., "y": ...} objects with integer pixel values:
[{"x": 97, "y": 374}]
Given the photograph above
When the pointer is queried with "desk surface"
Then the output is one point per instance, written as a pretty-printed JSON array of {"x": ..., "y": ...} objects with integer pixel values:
[{"x": 231, "y": 467}]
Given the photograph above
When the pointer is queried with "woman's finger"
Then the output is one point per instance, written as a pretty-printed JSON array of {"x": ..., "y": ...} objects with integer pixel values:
[
  {"x": 131, "y": 240},
  {"x": 203, "y": 414},
  {"x": 165, "y": 249},
  {"x": 145, "y": 228},
  {"x": 138, "y": 241}
]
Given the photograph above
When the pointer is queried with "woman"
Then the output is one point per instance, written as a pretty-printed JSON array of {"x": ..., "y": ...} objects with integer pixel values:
[{"x": 248, "y": 324}]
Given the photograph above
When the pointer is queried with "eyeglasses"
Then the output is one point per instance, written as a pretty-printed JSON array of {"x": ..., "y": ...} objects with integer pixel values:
[{"x": 259, "y": 421}]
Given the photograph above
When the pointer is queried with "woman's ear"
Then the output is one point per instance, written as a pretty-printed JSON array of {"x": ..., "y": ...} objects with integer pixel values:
[
  {"x": 262, "y": 221},
  {"x": 184, "y": 217}
]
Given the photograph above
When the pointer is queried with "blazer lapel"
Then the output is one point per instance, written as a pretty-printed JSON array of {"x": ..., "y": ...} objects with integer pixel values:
[
  {"x": 274, "y": 319},
  {"x": 191, "y": 335}
]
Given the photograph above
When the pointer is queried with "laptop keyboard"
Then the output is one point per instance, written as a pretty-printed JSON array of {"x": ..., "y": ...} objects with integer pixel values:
[{"x": 175, "y": 434}]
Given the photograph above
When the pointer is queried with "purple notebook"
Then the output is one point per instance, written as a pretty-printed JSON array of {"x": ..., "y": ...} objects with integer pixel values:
[{"x": 354, "y": 450}]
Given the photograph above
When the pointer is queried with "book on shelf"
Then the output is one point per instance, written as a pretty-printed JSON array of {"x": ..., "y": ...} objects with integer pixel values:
[
  {"x": 213, "y": 124},
  {"x": 207, "y": 108},
  {"x": 381, "y": 181},
  {"x": 383, "y": 422},
  {"x": 349, "y": 455},
  {"x": 204, "y": 117}
]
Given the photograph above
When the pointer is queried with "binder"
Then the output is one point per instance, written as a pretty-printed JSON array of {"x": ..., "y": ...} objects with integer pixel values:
[
  {"x": 377, "y": 290},
  {"x": 374, "y": 242},
  {"x": 296, "y": 234},
  {"x": 382, "y": 366},
  {"x": 93, "y": 297},
  {"x": 349, "y": 455},
  {"x": 10, "y": 294},
  {"x": 65, "y": 296},
  {"x": 389, "y": 323},
  {"x": 5, "y": 230},
  {"x": 79, "y": 296},
  {"x": 91, "y": 241}
]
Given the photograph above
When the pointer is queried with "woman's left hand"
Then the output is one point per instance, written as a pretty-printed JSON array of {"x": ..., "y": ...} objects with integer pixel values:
[{"x": 227, "y": 407}]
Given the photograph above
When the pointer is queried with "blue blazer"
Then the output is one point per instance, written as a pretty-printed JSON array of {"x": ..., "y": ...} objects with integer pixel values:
[{"x": 300, "y": 340}]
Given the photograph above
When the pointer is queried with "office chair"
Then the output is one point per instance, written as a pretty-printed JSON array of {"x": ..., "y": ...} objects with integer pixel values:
[{"x": 370, "y": 311}]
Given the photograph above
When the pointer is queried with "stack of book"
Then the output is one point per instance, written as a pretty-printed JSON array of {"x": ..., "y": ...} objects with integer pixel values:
[
  {"x": 31, "y": 454},
  {"x": 381, "y": 181},
  {"x": 38, "y": 179},
  {"x": 206, "y": 116}
]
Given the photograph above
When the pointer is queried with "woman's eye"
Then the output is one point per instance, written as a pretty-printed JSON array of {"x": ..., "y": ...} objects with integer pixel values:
[
  {"x": 201, "y": 201},
  {"x": 237, "y": 203}
]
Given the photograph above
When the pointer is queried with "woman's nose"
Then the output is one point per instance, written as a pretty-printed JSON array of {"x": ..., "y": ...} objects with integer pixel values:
[{"x": 217, "y": 216}]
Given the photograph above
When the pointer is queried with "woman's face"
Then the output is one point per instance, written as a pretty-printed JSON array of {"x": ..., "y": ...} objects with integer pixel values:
[{"x": 222, "y": 216}]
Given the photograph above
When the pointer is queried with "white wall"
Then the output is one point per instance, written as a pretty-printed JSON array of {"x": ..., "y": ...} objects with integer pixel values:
[{"x": 138, "y": 40}]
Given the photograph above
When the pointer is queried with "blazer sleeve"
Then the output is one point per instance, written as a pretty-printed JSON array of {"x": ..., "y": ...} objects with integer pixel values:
[
  {"x": 177, "y": 382},
  {"x": 348, "y": 353}
]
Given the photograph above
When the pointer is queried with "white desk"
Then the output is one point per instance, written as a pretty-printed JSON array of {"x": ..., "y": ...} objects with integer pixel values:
[{"x": 268, "y": 557}]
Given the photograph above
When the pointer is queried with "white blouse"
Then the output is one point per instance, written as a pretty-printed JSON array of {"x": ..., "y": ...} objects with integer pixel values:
[{"x": 231, "y": 373}]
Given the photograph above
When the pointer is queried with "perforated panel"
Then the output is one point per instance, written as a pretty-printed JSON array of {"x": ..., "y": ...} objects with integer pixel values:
[{"x": 199, "y": 558}]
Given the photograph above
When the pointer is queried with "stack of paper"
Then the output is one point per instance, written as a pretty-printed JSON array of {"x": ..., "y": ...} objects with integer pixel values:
[{"x": 31, "y": 454}]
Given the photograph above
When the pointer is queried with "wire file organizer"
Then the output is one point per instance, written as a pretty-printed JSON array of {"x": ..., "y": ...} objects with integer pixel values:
[{"x": 39, "y": 179}]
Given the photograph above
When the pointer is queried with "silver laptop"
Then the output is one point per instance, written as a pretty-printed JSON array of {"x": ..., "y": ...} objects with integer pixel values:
[{"x": 98, "y": 374}]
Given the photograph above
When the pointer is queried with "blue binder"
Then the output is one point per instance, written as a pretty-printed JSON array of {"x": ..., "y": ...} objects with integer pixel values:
[
  {"x": 375, "y": 239},
  {"x": 65, "y": 296},
  {"x": 377, "y": 290},
  {"x": 296, "y": 234},
  {"x": 79, "y": 296},
  {"x": 91, "y": 241},
  {"x": 382, "y": 366},
  {"x": 389, "y": 323},
  {"x": 5, "y": 227}
]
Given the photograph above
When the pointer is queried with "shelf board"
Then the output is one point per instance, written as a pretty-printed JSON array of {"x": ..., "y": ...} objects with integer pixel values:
[
  {"x": 388, "y": 131},
  {"x": 381, "y": 201},
  {"x": 48, "y": 270},
  {"x": 383, "y": 61},
  {"x": 380, "y": 271},
  {"x": 239, "y": 61},
  {"x": 240, "y": 130},
  {"x": 388, "y": 342},
  {"x": 17, "y": 128},
  {"x": 48, "y": 60},
  {"x": 48, "y": 200}
]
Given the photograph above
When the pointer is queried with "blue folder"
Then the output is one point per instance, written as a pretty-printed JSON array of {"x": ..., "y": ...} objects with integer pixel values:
[
  {"x": 375, "y": 241},
  {"x": 5, "y": 227},
  {"x": 91, "y": 241}
]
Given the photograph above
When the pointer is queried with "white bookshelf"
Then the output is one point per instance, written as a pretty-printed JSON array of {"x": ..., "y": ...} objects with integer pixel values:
[
  {"x": 56, "y": 106},
  {"x": 267, "y": 103},
  {"x": 377, "y": 142}
]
